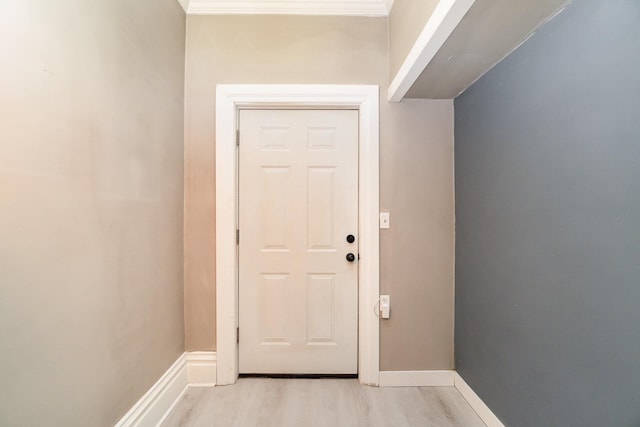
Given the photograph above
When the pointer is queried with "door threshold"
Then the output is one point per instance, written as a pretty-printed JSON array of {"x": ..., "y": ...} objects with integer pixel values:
[{"x": 301, "y": 376}]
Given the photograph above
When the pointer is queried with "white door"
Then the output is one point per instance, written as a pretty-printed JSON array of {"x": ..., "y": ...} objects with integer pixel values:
[{"x": 298, "y": 205}]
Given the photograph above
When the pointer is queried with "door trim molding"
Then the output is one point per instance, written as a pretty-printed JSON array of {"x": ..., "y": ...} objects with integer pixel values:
[{"x": 229, "y": 98}]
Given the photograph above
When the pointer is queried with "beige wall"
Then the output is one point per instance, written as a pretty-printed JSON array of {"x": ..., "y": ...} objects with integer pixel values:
[
  {"x": 417, "y": 252},
  {"x": 416, "y": 168},
  {"x": 253, "y": 49},
  {"x": 406, "y": 21},
  {"x": 91, "y": 190}
]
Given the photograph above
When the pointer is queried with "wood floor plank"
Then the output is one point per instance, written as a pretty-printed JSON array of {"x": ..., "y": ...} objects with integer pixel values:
[
  {"x": 321, "y": 403},
  {"x": 449, "y": 408}
]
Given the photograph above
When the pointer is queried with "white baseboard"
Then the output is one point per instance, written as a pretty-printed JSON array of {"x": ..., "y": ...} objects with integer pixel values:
[
  {"x": 476, "y": 403},
  {"x": 441, "y": 379},
  {"x": 153, "y": 407},
  {"x": 198, "y": 369},
  {"x": 201, "y": 368},
  {"x": 416, "y": 378},
  {"x": 193, "y": 369}
]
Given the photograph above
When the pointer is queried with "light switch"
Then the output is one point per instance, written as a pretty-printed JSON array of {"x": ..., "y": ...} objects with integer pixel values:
[
  {"x": 384, "y": 219},
  {"x": 385, "y": 306}
]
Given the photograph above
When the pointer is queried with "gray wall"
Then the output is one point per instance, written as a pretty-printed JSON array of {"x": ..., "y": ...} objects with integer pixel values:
[
  {"x": 548, "y": 224},
  {"x": 91, "y": 197}
]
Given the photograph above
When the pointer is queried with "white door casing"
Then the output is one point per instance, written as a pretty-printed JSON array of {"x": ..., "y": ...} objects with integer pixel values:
[
  {"x": 229, "y": 98},
  {"x": 298, "y": 201}
]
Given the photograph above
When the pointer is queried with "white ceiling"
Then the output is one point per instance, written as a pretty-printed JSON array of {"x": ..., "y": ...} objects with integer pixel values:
[{"x": 289, "y": 7}]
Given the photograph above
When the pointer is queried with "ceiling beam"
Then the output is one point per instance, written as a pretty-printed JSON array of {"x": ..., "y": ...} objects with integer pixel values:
[{"x": 445, "y": 18}]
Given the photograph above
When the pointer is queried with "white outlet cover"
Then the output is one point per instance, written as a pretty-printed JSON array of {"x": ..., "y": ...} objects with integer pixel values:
[
  {"x": 385, "y": 306},
  {"x": 384, "y": 219}
]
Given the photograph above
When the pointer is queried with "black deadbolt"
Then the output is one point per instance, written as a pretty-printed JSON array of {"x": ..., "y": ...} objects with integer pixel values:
[
  {"x": 351, "y": 257},
  {"x": 351, "y": 238}
]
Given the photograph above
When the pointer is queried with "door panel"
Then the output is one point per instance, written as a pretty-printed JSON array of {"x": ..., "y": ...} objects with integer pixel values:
[
  {"x": 274, "y": 206},
  {"x": 298, "y": 185},
  {"x": 321, "y": 209},
  {"x": 272, "y": 301},
  {"x": 320, "y": 308}
]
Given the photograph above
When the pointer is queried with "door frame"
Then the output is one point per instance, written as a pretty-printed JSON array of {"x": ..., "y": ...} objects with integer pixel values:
[{"x": 364, "y": 98}]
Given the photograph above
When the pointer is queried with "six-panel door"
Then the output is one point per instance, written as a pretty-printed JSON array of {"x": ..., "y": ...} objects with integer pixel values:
[{"x": 298, "y": 202}]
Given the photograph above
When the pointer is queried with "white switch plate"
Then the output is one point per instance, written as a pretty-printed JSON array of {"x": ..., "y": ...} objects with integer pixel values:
[
  {"x": 384, "y": 219},
  {"x": 385, "y": 306}
]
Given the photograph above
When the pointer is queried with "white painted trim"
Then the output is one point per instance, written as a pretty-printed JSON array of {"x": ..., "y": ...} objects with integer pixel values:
[
  {"x": 198, "y": 369},
  {"x": 228, "y": 99},
  {"x": 159, "y": 400},
  {"x": 416, "y": 378},
  {"x": 288, "y": 7},
  {"x": 441, "y": 379},
  {"x": 184, "y": 4},
  {"x": 445, "y": 18},
  {"x": 389, "y": 5},
  {"x": 483, "y": 411},
  {"x": 201, "y": 368},
  {"x": 193, "y": 369}
]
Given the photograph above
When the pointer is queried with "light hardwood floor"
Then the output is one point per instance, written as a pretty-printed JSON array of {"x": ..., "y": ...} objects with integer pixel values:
[{"x": 321, "y": 402}]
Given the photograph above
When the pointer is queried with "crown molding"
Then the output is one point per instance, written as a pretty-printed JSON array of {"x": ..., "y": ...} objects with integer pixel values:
[
  {"x": 286, "y": 7},
  {"x": 184, "y": 4}
]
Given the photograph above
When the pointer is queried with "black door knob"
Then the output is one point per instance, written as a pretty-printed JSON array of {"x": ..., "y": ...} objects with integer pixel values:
[
  {"x": 351, "y": 257},
  {"x": 351, "y": 238}
]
